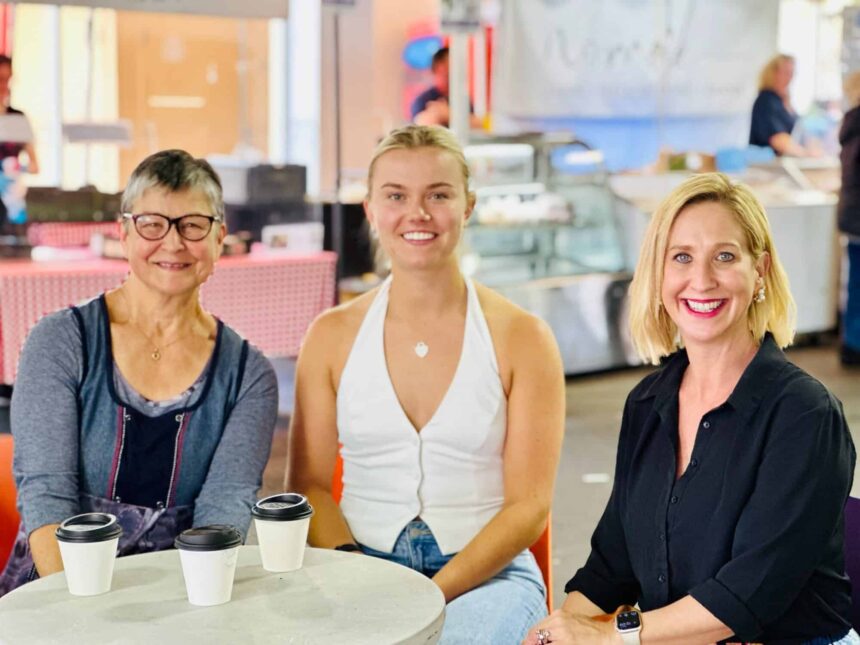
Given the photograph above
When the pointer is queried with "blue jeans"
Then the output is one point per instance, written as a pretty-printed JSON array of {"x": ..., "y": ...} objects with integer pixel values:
[
  {"x": 498, "y": 612},
  {"x": 851, "y": 638},
  {"x": 851, "y": 318}
]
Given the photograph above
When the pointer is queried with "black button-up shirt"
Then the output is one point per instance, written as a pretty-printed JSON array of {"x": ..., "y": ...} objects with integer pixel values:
[{"x": 754, "y": 528}]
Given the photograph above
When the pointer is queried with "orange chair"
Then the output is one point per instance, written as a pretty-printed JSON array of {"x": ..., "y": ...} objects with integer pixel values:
[
  {"x": 8, "y": 511},
  {"x": 541, "y": 550}
]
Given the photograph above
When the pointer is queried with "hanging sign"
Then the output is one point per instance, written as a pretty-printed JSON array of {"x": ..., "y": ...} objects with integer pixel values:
[
  {"x": 253, "y": 9},
  {"x": 460, "y": 16}
]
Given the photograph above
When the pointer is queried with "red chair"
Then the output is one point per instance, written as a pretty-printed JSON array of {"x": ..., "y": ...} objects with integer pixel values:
[
  {"x": 852, "y": 555},
  {"x": 8, "y": 510},
  {"x": 541, "y": 550}
]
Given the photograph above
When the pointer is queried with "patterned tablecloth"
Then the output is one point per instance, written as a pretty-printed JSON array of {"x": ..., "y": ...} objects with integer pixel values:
[{"x": 270, "y": 300}]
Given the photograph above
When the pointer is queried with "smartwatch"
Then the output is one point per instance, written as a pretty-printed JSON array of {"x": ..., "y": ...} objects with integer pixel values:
[{"x": 628, "y": 624}]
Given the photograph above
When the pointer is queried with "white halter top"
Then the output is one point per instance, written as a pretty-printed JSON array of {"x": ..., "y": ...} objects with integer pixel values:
[{"x": 449, "y": 474}]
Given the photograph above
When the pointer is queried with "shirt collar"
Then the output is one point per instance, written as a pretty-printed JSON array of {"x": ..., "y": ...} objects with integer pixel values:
[{"x": 750, "y": 389}]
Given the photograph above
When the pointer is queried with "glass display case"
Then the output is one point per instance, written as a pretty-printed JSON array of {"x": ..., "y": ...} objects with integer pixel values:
[{"x": 551, "y": 243}]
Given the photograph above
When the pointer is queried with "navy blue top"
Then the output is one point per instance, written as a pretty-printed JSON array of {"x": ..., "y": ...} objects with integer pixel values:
[
  {"x": 769, "y": 117},
  {"x": 421, "y": 101},
  {"x": 754, "y": 528}
]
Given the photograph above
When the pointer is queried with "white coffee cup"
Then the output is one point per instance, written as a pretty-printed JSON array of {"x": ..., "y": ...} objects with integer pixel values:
[
  {"x": 88, "y": 544},
  {"x": 282, "y": 523},
  {"x": 208, "y": 555}
]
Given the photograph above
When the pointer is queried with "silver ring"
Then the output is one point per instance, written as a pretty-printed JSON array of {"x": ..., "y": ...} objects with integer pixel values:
[{"x": 543, "y": 636}]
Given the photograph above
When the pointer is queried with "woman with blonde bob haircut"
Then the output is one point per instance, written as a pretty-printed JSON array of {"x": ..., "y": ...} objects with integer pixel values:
[
  {"x": 448, "y": 403},
  {"x": 654, "y": 333},
  {"x": 725, "y": 520}
]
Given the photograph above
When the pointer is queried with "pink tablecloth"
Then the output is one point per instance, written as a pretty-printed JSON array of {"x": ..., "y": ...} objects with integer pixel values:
[
  {"x": 67, "y": 233},
  {"x": 269, "y": 300}
]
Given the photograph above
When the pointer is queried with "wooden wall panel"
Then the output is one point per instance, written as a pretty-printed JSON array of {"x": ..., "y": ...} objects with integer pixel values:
[{"x": 179, "y": 83}]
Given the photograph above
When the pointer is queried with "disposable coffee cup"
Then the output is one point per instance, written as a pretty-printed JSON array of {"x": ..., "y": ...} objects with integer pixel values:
[
  {"x": 88, "y": 544},
  {"x": 282, "y": 523},
  {"x": 208, "y": 555}
]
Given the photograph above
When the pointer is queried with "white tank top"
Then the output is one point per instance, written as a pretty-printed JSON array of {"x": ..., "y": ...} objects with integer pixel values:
[{"x": 449, "y": 474}]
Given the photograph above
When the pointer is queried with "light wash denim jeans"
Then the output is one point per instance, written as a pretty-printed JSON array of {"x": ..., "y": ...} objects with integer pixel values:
[
  {"x": 851, "y": 638},
  {"x": 499, "y": 612}
]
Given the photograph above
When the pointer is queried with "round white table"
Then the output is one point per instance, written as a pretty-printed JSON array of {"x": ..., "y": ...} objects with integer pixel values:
[{"x": 334, "y": 598}]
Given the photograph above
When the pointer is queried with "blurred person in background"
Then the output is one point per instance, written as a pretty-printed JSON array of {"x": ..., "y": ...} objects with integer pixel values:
[
  {"x": 849, "y": 219},
  {"x": 773, "y": 117},
  {"x": 431, "y": 106},
  {"x": 10, "y": 151}
]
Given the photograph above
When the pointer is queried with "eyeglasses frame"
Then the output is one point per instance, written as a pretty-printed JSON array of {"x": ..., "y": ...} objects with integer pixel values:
[{"x": 171, "y": 222}]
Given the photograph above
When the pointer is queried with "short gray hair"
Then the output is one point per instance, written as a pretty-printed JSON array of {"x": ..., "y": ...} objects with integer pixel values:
[{"x": 174, "y": 171}]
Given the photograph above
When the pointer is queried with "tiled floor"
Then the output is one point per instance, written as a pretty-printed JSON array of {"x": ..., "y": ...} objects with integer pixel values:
[{"x": 594, "y": 406}]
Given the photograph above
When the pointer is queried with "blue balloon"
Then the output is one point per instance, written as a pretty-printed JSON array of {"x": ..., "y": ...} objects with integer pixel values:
[{"x": 418, "y": 53}]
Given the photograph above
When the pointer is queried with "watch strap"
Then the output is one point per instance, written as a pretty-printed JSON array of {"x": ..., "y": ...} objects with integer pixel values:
[
  {"x": 349, "y": 547},
  {"x": 630, "y": 638}
]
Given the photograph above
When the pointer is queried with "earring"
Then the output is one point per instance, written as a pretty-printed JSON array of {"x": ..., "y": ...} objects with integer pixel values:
[{"x": 759, "y": 295}]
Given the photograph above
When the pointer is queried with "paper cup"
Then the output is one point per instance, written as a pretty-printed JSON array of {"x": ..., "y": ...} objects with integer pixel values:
[
  {"x": 88, "y": 544},
  {"x": 208, "y": 555},
  {"x": 282, "y": 523}
]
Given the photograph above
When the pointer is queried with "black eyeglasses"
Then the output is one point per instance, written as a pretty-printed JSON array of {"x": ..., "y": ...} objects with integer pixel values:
[{"x": 154, "y": 226}]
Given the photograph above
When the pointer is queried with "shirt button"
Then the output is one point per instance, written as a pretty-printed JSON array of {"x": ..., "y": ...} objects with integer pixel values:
[
  {"x": 661, "y": 578},
  {"x": 694, "y": 462},
  {"x": 662, "y": 537},
  {"x": 706, "y": 424},
  {"x": 674, "y": 499}
]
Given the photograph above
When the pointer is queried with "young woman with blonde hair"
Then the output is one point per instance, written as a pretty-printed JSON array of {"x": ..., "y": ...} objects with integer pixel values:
[
  {"x": 447, "y": 400},
  {"x": 733, "y": 467}
]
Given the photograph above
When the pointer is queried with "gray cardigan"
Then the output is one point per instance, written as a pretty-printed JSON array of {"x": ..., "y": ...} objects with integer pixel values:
[{"x": 63, "y": 420}]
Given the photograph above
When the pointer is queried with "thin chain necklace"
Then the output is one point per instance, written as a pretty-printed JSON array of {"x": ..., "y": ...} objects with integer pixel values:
[{"x": 156, "y": 350}]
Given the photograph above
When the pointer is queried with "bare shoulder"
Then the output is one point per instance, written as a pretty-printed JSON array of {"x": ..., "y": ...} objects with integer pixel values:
[
  {"x": 518, "y": 335},
  {"x": 330, "y": 336},
  {"x": 508, "y": 321}
]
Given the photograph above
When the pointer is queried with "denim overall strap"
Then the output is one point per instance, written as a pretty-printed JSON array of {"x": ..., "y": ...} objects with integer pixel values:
[{"x": 143, "y": 530}]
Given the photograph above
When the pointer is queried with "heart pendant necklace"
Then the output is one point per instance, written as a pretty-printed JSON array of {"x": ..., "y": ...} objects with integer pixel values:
[{"x": 421, "y": 349}]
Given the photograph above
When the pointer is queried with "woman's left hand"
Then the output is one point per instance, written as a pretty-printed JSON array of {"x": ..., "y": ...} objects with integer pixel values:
[{"x": 567, "y": 628}]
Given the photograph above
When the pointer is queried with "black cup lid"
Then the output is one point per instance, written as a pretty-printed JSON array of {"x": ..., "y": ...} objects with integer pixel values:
[
  {"x": 283, "y": 507},
  {"x": 89, "y": 527},
  {"x": 214, "y": 537}
]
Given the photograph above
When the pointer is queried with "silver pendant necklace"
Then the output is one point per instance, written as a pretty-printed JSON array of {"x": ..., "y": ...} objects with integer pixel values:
[{"x": 421, "y": 349}]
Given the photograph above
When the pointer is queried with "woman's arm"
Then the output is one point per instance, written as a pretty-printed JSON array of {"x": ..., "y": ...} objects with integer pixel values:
[
  {"x": 313, "y": 434},
  {"x": 684, "y": 622},
  {"x": 46, "y": 550},
  {"x": 236, "y": 470},
  {"x": 534, "y": 433},
  {"x": 785, "y": 145},
  {"x": 44, "y": 420}
]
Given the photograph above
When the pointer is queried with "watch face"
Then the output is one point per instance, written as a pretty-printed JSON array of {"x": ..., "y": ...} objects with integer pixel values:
[{"x": 627, "y": 620}]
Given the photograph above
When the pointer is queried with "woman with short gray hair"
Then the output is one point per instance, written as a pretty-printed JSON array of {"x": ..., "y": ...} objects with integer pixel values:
[{"x": 140, "y": 403}]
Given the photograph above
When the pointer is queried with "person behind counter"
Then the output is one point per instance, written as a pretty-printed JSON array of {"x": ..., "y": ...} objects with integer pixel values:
[
  {"x": 12, "y": 149},
  {"x": 726, "y": 516},
  {"x": 773, "y": 118},
  {"x": 140, "y": 403},
  {"x": 849, "y": 219},
  {"x": 431, "y": 106},
  {"x": 448, "y": 401}
]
